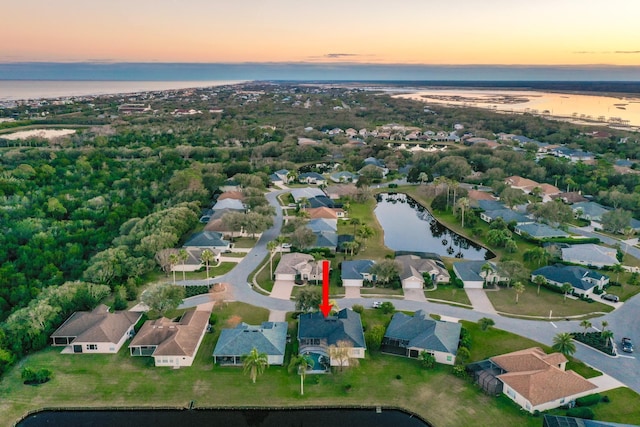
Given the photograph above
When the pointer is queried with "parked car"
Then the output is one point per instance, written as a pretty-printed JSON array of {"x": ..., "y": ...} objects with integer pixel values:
[
  {"x": 627, "y": 345},
  {"x": 610, "y": 297},
  {"x": 376, "y": 304},
  {"x": 286, "y": 245}
]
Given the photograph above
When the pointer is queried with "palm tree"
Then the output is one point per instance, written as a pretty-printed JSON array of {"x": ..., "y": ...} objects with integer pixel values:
[
  {"x": 606, "y": 336},
  {"x": 486, "y": 269},
  {"x": 463, "y": 205},
  {"x": 255, "y": 363},
  {"x": 586, "y": 325},
  {"x": 207, "y": 256},
  {"x": 351, "y": 246},
  {"x": 566, "y": 288},
  {"x": 355, "y": 222},
  {"x": 364, "y": 232},
  {"x": 539, "y": 280},
  {"x": 617, "y": 268},
  {"x": 173, "y": 260},
  {"x": 519, "y": 288},
  {"x": 301, "y": 363},
  {"x": 604, "y": 325},
  {"x": 563, "y": 343},
  {"x": 454, "y": 184},
  {"x": 271, "y": 246},
  {"x": 183, "y": 255}
]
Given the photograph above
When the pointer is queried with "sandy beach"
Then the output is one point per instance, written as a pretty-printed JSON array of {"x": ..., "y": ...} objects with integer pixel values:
[{"x": 38, "y": 133}]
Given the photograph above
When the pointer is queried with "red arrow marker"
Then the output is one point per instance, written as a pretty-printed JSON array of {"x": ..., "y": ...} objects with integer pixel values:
[{"x": 325, "y": 307}]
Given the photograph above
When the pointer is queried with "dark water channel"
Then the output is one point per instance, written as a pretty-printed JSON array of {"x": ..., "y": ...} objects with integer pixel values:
[
  {"x": 225, "y": 418},
  {"x": 408, "y": 226}
]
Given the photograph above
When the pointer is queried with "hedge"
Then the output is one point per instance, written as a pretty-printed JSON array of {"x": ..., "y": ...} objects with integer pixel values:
[
  {"x": 592, "y": 399},
  {"x": 585, "y": 413}
]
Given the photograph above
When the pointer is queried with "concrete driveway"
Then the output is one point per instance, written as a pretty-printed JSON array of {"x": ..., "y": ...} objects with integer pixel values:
[
  {"x": 282, "y": 289},
  {"x": 351, "y": 292},
  {"x": 480, "y": 301},
  {"x": 414, "y": 295}
]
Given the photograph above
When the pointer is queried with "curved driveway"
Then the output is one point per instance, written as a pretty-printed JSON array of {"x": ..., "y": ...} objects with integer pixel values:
[{"x": 625, "y": 321}]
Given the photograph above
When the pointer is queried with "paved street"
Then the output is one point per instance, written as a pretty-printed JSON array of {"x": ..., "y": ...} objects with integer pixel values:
[{"x": 625, "y": 321}]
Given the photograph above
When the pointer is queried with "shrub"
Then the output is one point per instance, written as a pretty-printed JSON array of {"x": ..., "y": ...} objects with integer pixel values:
[
  {"x": 592, "y": 399},
  {"x": 585, "y": 413},
  {"x": 31, "y": 376},
  {"x": 191, "y": 291},
  {"x": 387, "y": 307},
  {"x": 398, "y": 377},
  {"x": 358, "y": 308},
  {"x": 213, "y": 319},
  {"x": 606, "y": 399}
]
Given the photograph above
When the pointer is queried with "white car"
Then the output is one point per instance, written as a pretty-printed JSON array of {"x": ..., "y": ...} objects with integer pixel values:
[
  {"x": 286, "y": 245},
  {"x": 376, "y": 304}
]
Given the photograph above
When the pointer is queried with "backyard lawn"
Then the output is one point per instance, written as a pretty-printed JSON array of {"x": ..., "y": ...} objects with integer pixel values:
[{"x": 436, "y": 395}]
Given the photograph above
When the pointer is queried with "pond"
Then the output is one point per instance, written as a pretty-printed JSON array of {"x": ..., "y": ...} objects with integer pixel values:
[
  {"x": 408, "y": 226},
  {"x": 226, "y": 418}
]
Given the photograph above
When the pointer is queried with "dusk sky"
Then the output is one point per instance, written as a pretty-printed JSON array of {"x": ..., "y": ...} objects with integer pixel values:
[{"x": 510, "y": 32}]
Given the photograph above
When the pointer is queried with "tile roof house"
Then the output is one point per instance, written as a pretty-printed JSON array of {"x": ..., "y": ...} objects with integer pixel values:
[
  {"x": 172, "y": 343},
  {"x": 234, "y": 344},
  {"x": 537, "y": 230},
  {"x": 570, "y": 197},
  {"x": 354, "y": 273},
  {"x": 524, "y": 184},
  {"x": 413, "y": 267},
  {"x": 589, "y": 210},
  {"x": 411, "y": 335},
  {"x": 473, "y": 276},
  {"x": 538, "y": 381},
  {"x": 584, "y": 281},
  {"x": 341, "y": 190},
  {"x": 295, "y": 265},
  {"x": 96, "y": 331},
  {"x": 590, "y": 254},
  {"x": 237, "y": 195},
  {"x": 318, "y": 336}
]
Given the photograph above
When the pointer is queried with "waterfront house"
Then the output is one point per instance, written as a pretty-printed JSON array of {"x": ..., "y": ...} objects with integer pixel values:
[
  {"x": 414, "y": 267},
  {"x": 236, "y": 343},
  {"x": 473, "y": 275},
  {"x": 590, "y": 254}
]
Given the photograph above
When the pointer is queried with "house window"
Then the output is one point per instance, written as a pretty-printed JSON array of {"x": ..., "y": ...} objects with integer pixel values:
[
  {"x": 511, "y": 393},
  {"x": 92, "y": 346},
  {"x": 449, "y": 358}
]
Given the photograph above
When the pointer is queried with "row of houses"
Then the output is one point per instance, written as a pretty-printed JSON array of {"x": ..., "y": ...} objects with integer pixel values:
[{"x": 531, "y": 378}]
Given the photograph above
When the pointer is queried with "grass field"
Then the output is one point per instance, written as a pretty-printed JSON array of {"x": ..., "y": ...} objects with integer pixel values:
[
  {"x": 436, "y": 395},
  {"x": 532, "y": 304},
  {"x": 448, "y": 293}
]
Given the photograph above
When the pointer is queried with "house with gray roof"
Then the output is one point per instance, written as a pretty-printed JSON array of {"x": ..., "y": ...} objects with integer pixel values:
[
  {"x": 583, "y": 280},
  {"x": 269, "y": 338},
  {"x": 326, "y": 239},
  {"x": 590, "y": 254},
  {"x": 229, "y": 204},
  {"x": 411, "y": 335},
  {"x": 506, "y": 214},
  {"x": 320, "y": 202},
  {"x": 323, "y": 224},
  {"x": 412, "y": 268},
  {"x": 344, "y": 176},
  {"x": 473, "y": 276},
  {"x": 320, "y": 336},
  {"x": 311, "y": 178},
  {"x": 296, "y": 265},
  {"x": 537, "y": 230},
  {"x": 97, "y": 331},
  {"x": 589, "y": 210},
  {"x": 208, "y": 240},
  {"x": 305, "y": 193},
  {"x": 354, "y": 273}
]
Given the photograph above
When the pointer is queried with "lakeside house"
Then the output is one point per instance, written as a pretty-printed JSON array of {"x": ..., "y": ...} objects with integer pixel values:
[
  {"x": 97, "y": 331},
  {"x": 236, "y": 343},
  {"x": 590, "y": 254},
  {"x": 172, "y": 343},
  {"x": 409, "y": 336},
  {"x": 474, "y": 274},
  {"x": 413, "y": 268}
]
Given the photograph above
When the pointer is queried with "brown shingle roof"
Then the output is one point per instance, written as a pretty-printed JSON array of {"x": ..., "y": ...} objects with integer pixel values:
[
  {"x": 529, "y": 359},
  {"x": 174, "y": 338},
  {"x": 237, "y": 195},
  {"x": 322, "y": 212},
  {"x": 98, "y": 325}
]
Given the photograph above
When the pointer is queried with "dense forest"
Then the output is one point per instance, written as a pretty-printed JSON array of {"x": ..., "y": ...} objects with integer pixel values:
[{"x": 86, "y": 214}]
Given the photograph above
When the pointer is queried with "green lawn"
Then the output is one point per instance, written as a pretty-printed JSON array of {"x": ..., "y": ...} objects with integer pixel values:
[
  {"x": 263, "y": 277},
  {"x": 223, "y": 268},
  {"x": 448, "y": 293},
  {"x": 244, "y": 242},
  {"x": 380, "y": 291},
  {"x": 436, "y": 395},
  {"x": 374, "y": 246},
  {"x": 531, "y": 304}
]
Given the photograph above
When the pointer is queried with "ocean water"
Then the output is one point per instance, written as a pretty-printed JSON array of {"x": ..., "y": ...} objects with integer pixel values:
[{"x": 41, "y": 89}]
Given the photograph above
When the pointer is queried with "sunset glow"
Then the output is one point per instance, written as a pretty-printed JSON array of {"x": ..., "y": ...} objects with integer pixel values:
[{"x": 404, "y": 32}]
